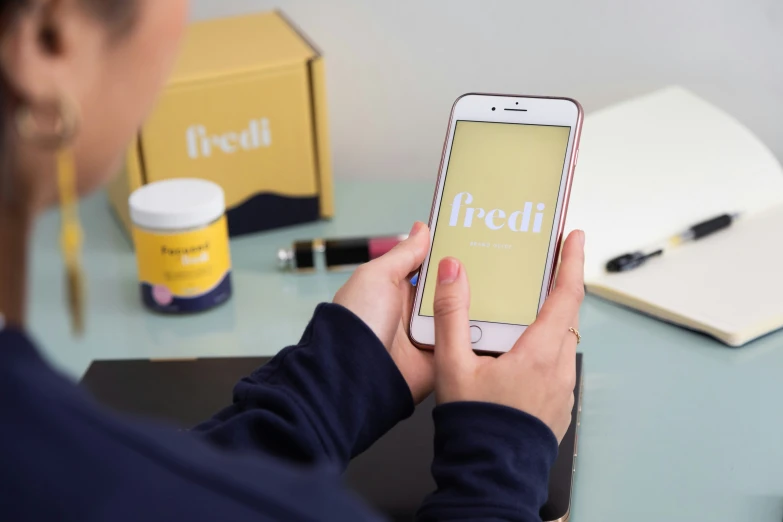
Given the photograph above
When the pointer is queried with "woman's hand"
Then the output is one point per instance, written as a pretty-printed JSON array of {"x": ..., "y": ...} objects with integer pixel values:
[
  {"x": 379, "y": 292},
  {"x": 538, "y": 375}
]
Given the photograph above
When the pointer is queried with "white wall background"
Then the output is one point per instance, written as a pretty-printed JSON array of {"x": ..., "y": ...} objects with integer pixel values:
[{"x": 401, "y": 63}]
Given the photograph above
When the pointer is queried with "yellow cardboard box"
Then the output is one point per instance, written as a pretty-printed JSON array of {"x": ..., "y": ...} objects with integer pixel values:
[{"x": 245, "y": 108}]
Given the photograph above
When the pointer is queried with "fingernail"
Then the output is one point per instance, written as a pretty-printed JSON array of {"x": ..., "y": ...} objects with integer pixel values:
[
  {"x": 448, "y": 271},
  {"x": 582, "y": 238},
  {"x": 417, "y": 226}
]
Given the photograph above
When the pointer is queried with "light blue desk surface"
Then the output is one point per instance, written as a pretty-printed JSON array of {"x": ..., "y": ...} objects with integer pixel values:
[{"x": 675, "y": 427}]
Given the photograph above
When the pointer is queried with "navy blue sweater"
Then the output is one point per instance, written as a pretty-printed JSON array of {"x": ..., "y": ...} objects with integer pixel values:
[{"x": 276, "y": 454}]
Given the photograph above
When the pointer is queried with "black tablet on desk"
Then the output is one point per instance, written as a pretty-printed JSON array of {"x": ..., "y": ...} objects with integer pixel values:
[{"x": 188, "y": 392}]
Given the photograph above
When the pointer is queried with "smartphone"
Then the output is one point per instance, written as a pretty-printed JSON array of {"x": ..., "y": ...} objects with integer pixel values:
[{"x": 499, "y": 207}]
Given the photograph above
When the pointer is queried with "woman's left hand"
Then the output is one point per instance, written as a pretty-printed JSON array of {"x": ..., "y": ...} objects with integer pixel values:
[{"x": 380, "y": 293}]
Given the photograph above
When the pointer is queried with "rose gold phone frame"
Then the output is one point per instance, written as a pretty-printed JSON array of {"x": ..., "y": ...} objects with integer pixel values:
[{"x": 566, "y": 195}]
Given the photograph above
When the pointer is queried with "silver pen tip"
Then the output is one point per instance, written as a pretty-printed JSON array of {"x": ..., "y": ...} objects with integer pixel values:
[{"x": 285, "y": 259}]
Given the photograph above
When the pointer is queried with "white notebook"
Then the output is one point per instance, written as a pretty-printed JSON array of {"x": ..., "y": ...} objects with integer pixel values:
[{"x": 650, "y": 168}]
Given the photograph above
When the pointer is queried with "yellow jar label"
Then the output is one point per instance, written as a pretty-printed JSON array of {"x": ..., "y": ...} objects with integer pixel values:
[{"x": 185, "y": 271}]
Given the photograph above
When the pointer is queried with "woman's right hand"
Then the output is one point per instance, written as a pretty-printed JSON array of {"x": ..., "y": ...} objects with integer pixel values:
[{"x": 538, "y": 374}]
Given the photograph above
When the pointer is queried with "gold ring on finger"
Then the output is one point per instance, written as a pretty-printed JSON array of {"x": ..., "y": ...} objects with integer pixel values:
[{"x": 577, "y": 334}]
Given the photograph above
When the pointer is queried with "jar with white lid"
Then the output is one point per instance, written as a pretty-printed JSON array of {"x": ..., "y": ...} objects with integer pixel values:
[{"x": 182, "y": 250}]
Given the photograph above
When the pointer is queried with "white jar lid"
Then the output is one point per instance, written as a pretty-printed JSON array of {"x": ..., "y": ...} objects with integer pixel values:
[{"x": 176, "y": 204}]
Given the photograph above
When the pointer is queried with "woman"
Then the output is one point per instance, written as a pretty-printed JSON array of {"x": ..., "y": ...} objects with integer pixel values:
[{"x": 278, "y": 451}]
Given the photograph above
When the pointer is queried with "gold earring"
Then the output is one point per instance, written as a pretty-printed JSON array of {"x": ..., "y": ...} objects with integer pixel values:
[
  {"x": 53, "y": 127},
  {"x": 58, "y": 134}
]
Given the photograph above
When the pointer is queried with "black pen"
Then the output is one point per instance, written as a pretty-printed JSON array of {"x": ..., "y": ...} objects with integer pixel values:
[{"x": 635, "y": 259}]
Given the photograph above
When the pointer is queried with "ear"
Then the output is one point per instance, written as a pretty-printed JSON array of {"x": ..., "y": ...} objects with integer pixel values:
[{"x": 49, "y": 51}]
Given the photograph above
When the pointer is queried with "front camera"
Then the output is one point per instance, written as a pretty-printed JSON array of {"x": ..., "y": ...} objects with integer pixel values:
[{"x": 493, "y": 108}]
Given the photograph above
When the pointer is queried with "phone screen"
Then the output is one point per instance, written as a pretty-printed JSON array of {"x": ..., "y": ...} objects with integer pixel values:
[{"x": 497, "y": 216}]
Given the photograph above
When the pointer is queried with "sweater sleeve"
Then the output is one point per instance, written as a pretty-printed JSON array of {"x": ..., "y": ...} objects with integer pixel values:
[
  {"x": 491, "y": 463},
  {"x": 330, "y": 397}
]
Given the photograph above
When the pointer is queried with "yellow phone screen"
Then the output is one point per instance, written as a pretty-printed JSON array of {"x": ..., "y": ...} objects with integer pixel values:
[{"x": 497, "y": 216}]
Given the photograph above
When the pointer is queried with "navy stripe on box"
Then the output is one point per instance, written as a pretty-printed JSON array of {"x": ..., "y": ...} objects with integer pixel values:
[{"x": 268, "y": 211}]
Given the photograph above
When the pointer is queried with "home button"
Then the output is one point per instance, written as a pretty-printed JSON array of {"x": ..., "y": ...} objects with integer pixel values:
[{"x": 475, "y": 334}]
